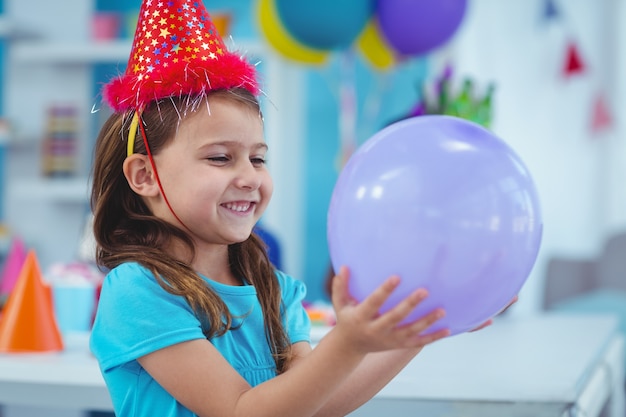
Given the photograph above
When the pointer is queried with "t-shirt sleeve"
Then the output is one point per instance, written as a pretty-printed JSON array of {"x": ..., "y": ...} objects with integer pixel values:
[
  {"x": 136, "y": 316},
  {"x": 296, "y": 320}
]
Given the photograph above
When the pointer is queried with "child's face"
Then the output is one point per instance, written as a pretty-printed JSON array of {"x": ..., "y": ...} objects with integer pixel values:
[{"x": 214, "y": 174}]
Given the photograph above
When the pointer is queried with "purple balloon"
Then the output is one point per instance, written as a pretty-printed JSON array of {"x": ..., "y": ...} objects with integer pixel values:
[
  {"x": 414, "y": 27},
  {"x": 447, "y": 206}
]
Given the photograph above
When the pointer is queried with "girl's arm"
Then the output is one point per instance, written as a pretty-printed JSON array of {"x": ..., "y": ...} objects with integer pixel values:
[
  {"x": 373, "y": 373},
  {"x": 200, "y": 378}
]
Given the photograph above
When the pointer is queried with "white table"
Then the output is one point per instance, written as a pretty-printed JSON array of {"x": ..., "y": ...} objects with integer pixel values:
[{"x": 553, "y": 365}]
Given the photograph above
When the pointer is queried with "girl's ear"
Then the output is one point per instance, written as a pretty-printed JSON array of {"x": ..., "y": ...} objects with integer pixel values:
[{"x": 139, "y": 174}]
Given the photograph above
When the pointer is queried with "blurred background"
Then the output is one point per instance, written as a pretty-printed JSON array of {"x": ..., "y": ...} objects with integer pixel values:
[{"x": 544, "y": 75}]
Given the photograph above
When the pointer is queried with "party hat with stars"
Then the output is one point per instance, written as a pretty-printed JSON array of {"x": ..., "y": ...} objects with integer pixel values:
[{"x": 176, "y": 51}]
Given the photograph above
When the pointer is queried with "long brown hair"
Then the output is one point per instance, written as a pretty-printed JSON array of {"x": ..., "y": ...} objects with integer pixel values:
[{"x": 126, "y": 230}]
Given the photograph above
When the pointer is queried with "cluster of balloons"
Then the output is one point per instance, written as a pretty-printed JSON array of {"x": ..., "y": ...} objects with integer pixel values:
[
  {"x": 382, "y": 30},
  {"x": 446, "y": 205}
]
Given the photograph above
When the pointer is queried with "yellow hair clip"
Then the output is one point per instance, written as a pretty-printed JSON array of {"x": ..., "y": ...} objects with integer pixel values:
[{"x": 132, "y": 133}]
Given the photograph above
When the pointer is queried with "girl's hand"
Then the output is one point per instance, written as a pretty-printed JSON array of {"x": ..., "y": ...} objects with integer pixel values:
[
  {"x": 490, "y": 321},
  {"x": 366, "y": 330}
]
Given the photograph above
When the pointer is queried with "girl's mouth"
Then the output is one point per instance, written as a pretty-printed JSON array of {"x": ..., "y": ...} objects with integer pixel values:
[{"x": 239, "y": 207}]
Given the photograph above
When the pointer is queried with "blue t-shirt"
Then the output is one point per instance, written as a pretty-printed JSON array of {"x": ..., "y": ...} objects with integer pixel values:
[{"x": 136, "y": 316}]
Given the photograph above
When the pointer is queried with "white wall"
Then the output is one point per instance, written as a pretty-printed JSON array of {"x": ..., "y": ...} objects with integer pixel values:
[{"x": 546, "y": 117}]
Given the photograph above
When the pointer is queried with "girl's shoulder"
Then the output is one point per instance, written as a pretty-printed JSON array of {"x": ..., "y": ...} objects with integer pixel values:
[
  {"x": 290, "y": 286},
  {"x": 130, "y": 275},
  {"x": 129, "y": 269}
]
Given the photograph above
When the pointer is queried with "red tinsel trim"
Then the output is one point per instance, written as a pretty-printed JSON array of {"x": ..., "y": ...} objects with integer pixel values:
[{"x": 129, "y": 93}]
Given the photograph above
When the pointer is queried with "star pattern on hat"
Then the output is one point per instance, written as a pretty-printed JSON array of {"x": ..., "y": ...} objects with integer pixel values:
[
  {"x": 176, "y": 51},
  {"x": 170, "y": 35}
]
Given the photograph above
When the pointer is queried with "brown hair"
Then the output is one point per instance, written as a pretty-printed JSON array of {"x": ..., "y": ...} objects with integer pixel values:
[{"x": 125, "y": 229}]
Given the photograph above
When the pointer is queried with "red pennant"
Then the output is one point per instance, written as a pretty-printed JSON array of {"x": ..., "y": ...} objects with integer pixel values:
[
  {"x": 573, "y": 61},
  {"x": 601, "y": 117}
]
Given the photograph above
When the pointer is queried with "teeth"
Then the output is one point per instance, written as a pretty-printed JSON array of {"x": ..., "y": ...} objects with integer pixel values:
[{"x": 237, "y": 207}]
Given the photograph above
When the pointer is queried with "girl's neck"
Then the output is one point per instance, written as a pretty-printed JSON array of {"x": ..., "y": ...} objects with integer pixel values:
[{"x": 211, "y": 262}]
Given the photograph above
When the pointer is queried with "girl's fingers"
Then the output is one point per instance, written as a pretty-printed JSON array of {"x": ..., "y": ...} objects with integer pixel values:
[
  {"x": 398, "y": 313},
  {"x": 423, "y": 323},
  {"x": 482, "y": 326},
  {"x": 428, "y": 338},
  {"x": 376, "y": 299},
  {"x": 340, "y": 296}
]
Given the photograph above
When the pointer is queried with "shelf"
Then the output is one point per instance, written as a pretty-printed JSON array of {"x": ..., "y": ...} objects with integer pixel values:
[
  {"x": 70, "y": 53},
  {"x": 6, "y": 28},
  {"x": 30, "y": 52},
  {"x": 60, "y": 190},
  {"x": 9, "y": 29}
]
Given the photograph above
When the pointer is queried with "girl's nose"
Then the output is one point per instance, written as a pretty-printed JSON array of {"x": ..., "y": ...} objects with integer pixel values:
[{"x": 248, "y": 176}]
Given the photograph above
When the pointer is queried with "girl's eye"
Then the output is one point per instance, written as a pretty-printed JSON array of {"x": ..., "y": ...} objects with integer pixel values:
[
  {"x": 219, "y": 159},
  {"x": 258, "y": 161}
]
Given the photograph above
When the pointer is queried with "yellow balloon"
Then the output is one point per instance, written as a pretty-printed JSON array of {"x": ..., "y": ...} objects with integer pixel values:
[
  {"x": 280, "y": 39},
  {"x": 374, "y": 48}
]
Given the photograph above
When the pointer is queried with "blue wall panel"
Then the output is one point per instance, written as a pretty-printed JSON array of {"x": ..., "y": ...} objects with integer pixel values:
[{"x": 3, "y": 146}]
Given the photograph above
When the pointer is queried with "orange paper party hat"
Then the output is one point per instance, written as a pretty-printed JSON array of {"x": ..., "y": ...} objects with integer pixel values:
[
  {"x": 27, "y": 323},
  {"x": 176, "y": 51},
  {"x": 13, "y": 265}
]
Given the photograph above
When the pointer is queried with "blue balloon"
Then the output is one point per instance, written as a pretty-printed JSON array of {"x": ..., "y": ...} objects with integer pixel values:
[
  {"x": 325, "y": 24},
  {"x": 446, "y": 205}
]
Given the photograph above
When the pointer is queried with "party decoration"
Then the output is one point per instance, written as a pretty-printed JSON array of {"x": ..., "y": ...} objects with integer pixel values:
[
  {"x": 447, "y": 206},
  {"x": 169, "y": 58},
  {"x": 12, "y": 266},
  {"x": 222, "y": 22},
  {"x": 601, "y": 118},
  {"x": 550, "y": 11},
  {"x": 74, "y": 286},
  {"x": 28, "y": 323},
  {"x": 325, "y": 24},
  {"x": 448, "y": 99},
  {"x": 417, "y": 27},
  {"x": 279, "y": 38},
  {"x": 374, "y": 48},
  {"x": 573, "y": 61}
]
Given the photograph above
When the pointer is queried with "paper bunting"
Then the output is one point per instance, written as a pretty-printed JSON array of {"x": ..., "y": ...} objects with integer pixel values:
[
  {"x": 550, "y": 10},
  {"x": 28, "y": 323},
  {"x": 573, "y": 61},
  {"x": 601, "y": 117}
]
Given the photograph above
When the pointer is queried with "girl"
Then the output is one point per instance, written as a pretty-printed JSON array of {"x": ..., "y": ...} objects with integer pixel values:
[{"x": 193, "y": 320}]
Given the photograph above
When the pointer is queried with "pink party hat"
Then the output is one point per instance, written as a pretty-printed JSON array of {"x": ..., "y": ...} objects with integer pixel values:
[
  {"x": 176, "y": 51},
  {"x": 13, "y": 265}
]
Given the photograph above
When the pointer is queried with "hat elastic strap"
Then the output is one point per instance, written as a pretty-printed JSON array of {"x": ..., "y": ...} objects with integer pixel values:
[{"x": 131, "y": 138}]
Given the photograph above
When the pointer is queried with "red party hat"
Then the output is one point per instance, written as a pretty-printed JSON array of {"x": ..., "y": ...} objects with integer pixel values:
[{"x": 176, "y": 51}]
